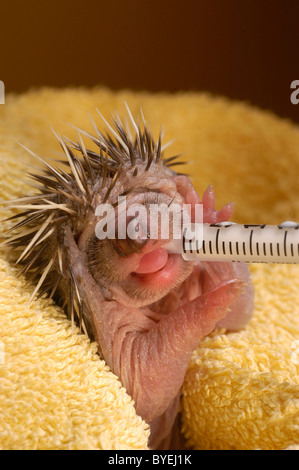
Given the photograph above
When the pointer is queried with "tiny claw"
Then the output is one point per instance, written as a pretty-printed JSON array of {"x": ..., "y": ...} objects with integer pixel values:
[
  {"x": 235, "y": 285},
  {"x": 192, "y": 197},
  {"x": 209, "y": 195},
  {"x": 231, "y": 289},
  {"x": 225, "y": 212},
  {"x": 208, "y": 200}
]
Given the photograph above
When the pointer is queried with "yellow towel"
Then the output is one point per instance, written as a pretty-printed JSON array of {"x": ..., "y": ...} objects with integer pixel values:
[{"x": 241, "y": 389}]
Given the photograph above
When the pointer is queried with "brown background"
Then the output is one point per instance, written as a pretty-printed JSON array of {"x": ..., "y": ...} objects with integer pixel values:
[{"x": 242, "y": 49}]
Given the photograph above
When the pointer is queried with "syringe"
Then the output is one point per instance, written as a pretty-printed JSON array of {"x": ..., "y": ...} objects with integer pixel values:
[{"x": 227, "y": 241}]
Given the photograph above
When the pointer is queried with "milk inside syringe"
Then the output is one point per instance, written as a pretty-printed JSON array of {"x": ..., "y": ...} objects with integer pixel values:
[{"x": 228, "y": 241}]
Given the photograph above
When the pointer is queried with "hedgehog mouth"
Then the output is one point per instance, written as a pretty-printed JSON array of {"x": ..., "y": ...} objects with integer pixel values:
[
  {"x": 158, "y": 267},
  {"x": 152, "y": 262}
]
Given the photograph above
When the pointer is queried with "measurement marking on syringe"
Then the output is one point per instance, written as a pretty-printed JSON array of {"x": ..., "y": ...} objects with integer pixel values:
[
  {"x": 285, "y": 243},
  {"x": 278, "y": 251},
  {"x": 184, "y": 241},
  {"x": 244, "y": 249},
  {"x": 230, "y": 248},
  {"x": 210, "y": 247},
  {"x": 217, "y": 247},
  {"x": 271, "y": 249},
  {"x": 292, "y": 249},
  {"x": 250, "y": 242},
  {"x": 223, "y": 247},
  {"x": 257, "y": 249},
  {"x": 264, "y": 247},
  {"x": 237, "y": 248}
]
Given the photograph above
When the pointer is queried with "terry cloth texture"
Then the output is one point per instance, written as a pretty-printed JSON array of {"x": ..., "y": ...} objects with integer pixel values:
[{"x": 242, "y": 389}]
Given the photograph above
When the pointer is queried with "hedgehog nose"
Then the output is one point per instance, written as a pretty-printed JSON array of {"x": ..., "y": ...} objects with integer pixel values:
[{"x": 152, "y": 262}]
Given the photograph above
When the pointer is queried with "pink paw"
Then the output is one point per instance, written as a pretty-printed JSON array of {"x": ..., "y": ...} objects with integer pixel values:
[{"x": 210, "y": 214}]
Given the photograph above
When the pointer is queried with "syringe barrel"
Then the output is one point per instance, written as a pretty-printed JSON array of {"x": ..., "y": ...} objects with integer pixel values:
[{"x": 250, "y": 243}]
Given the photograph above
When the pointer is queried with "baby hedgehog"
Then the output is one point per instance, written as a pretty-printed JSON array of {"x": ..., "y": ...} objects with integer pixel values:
[{"x": 147, "y": 308}]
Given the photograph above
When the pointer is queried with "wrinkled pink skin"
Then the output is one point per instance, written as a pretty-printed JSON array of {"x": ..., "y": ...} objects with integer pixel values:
[{"x": 149, "y": 346}]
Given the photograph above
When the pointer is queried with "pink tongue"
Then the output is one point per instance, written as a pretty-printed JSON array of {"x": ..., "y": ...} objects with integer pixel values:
[{"x": 152, "y": 262}]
